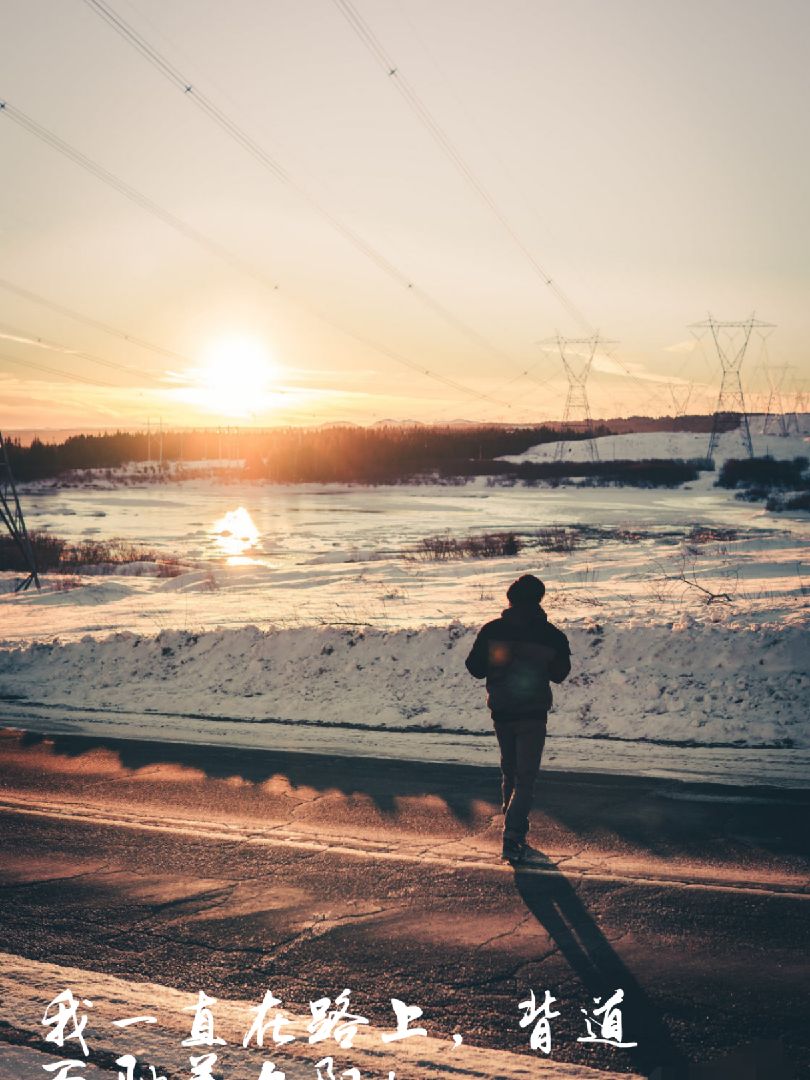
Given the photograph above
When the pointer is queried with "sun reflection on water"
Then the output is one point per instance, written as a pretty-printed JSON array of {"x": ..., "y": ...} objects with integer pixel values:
[{"x": 236, "y": 534}]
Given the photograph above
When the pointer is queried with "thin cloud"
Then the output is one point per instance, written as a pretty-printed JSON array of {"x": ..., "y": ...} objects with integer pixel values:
[
  {"x": 682, "y": 346},
  {"x": 21, "y": 340}
]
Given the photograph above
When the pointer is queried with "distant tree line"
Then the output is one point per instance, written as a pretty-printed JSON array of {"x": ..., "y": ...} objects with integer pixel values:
[
  {"x": 766, "y": 472},
  {"x": 340, "y": 453},
  {"x": 393, "y": 454},
  {"x": 41, "y": 460},
  {"x": 345, "y": 453}
]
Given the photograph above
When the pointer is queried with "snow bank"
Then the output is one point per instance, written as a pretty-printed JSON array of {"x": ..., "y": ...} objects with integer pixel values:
[{"x": 688, "y": 682}]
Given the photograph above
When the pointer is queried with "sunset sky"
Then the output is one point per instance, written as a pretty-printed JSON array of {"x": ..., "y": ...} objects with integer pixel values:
[{"x": 651, "y": 157}]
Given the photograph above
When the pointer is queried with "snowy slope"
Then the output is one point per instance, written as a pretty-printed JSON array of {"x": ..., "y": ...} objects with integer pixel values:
[{"x": 653, "y": 445}]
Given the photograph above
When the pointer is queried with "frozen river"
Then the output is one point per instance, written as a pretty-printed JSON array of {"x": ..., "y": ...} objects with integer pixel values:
[
  {"x": 219, "y": 520},
  {"x": 288, "y": 525}
]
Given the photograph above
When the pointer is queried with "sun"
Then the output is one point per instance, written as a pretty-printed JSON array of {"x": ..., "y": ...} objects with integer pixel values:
[{"x": 236, "y": 378}]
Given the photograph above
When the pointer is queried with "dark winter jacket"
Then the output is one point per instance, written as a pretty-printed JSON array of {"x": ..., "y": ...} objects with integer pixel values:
[{"x": 518, "y": 654}]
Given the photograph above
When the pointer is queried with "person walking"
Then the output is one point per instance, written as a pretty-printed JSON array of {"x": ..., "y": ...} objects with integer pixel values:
[{"x": 519, "y": 654}]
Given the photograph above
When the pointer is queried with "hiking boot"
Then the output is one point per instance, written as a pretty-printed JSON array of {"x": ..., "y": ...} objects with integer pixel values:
[{"x": 513, "y": 850}]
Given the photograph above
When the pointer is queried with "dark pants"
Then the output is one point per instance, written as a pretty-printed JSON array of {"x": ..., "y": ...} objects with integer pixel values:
[{"x": 521, "y": 743}]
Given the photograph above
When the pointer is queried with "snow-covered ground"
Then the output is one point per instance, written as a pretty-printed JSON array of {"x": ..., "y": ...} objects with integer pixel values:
[
  {"x": 689, "y": 445},
  {"x": 310, "y": 606}
]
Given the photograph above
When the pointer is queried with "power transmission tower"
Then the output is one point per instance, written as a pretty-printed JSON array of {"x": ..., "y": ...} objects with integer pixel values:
[
  {"x": 798, "y": 407},
  {"x": 731, "y": 341},
  {"x": 680, "y": 395},
  {"x": 775, "y": 422},
  {"x": 12, "y": 517},
  {"x": 577, "y": 357}
]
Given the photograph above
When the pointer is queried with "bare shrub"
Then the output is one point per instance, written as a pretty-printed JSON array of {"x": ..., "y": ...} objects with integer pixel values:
[
  {"x": 55, "y": 554},
  {"x": 706, "y": 534},
  {"x": 557, "y": 539},
  {"x": 629, "y": 536},
  {"x": 683, "y": 582},
  {"x": 484, "y": 546}
]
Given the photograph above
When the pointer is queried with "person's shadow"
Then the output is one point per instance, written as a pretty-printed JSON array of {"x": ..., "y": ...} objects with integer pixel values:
[{"x": 552, "y": 900}]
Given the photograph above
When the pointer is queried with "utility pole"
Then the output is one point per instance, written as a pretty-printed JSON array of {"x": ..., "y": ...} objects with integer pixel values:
[
  {"x": 731, "y": 342},
  {"x": 577, "y": 356},
  {"x": 12, "y": 517}
]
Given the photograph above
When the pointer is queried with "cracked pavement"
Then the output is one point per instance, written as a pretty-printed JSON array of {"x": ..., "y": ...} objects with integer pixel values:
[{"x": 235, "y": 872}]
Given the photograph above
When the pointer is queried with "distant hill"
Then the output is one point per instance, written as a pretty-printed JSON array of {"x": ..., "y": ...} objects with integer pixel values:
[
  {"x": 398, "y": 423},
  {"x": 621, "y": 425}
]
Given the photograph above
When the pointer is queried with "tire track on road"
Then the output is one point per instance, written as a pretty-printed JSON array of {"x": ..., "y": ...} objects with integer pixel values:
[{"x": 688, "y": 877}]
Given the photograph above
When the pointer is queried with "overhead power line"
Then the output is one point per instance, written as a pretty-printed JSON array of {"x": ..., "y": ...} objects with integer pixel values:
[
  {"x": 392, "y": 72},
  {"x": 34, "y": 339},
  {"x": 212, "y": 247},
  {"x": 54, "y": 371},
  {"x": 207, "y": 106},
  {"x": 656, "y": 396},
  {"x": 96, "y": 324},
  {"x": 395, "y": 76},
  {"x": 177, "y": 79},
  {"x": 143, "y": 201}
]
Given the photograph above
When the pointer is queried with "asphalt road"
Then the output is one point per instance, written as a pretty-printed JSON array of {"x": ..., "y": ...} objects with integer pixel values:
[{"x": 236, "y": 871}]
